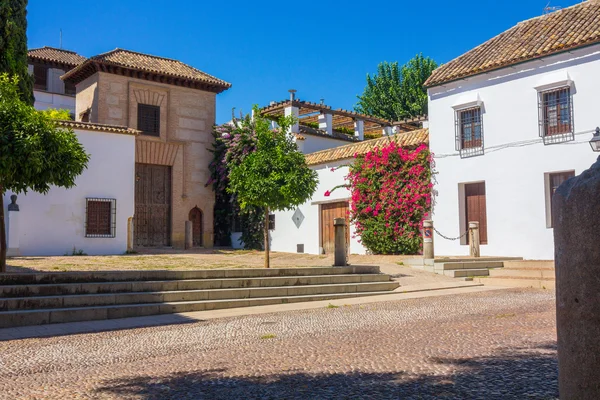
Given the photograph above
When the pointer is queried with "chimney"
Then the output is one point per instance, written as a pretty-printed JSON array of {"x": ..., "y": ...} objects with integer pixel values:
[{"x": 292, "y": 94}]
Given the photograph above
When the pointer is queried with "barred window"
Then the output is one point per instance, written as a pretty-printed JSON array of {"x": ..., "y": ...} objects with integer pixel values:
[
  {"x": 40, "y": 77},
  {"x": 469, "y": 132},
  {"x": 100, "y": 218},
  {"x": 556, "y": 116},
  {"x": 149, "y": 119}
]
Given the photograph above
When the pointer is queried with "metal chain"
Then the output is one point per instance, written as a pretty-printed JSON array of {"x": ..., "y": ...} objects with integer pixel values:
[{"x": 449, "y": 238}]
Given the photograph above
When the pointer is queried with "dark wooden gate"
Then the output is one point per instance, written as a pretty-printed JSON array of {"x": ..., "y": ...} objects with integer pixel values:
[
  {"x": 152, "y": 205},
  {"x": 475, "y": 209},
  {"x": 196, "y": 218},
  {"x": 330, "y": 211}
]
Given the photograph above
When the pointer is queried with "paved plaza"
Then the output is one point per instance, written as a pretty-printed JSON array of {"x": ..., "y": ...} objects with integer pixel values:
[{"x": 497, "y": 344}]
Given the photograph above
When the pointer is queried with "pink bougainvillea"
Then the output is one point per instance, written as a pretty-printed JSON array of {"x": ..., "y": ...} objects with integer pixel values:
[{"x": 391, "y": 190}]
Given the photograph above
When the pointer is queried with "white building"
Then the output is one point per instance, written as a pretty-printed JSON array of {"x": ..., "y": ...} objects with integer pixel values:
[
  {"x": 90, "y": 217},
  {"x": 309, "y": 227},
  {"x": 509, "y": 121},
  {"x": 47, "y": 65}
]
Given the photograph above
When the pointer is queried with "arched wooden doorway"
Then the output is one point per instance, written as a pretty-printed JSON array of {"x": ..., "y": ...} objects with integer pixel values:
[{"x": 196, "y": 218}]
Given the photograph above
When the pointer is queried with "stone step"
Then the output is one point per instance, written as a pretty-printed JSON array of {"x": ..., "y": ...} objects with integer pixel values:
[
  {"x": 90, "y": 300},
  {"x": 469, "y": 259},
  {"x": 518, "y": 282},
  {"x": 467, "y": 272},
  {"x": 10, "y": 319},
  {"x": 530, "y": 264},
  {"x": 163, "y": 275},
  {"x": 522, "y": 273},
  {"x": 468, "y": 265},
  {"x": 55, "y": 289}
]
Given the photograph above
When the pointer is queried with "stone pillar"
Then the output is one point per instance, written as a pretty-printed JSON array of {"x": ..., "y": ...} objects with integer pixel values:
[
  {"x": 326, "y": 122},
  {"x": 428, "y": 239},
  {"x": 13, "y": 228},
  {"x": 387, "y": 131},
  {"x": 130, "y": 234},
  {"x": 577, "y": 258},
  {"x": 293, "y": 111},
  {"x": 189, "y": 235},
  {"x": 474, "y": 239},
  {"x": 359, "y": 129},
  {"x": 340, "y": 242}
]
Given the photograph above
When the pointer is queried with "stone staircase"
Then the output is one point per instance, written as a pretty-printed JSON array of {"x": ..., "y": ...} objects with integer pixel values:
[
  {"x": 465, "y": 268},
  {"x": 522, "y": 273},
  {"x": 47, "y": 298}
]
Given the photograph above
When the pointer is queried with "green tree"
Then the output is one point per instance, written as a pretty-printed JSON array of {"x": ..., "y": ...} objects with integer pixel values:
[
  {"x": 13, "y": 45},
  {"x": 394, "y": 92},
  {"x": 35, "y": 153},
  {"x": 275, "y": 176}
]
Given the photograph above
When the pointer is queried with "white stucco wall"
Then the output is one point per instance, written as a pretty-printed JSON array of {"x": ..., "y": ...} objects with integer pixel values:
[
  {"x": 54, "y": 223},
  {"x": 287, "y": 236},
  {"x": 313, "y": 143},
  {"x": 45, "y": 100},
  {"x": 514, "y": 176}
]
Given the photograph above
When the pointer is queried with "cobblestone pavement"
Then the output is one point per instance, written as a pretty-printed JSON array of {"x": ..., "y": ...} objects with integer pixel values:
[{"x": 488, "y": 345}]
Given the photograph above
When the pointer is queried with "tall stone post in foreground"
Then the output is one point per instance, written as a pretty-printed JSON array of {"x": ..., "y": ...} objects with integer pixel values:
[
  {"x": 428, "y": 252},
  {"x": 474, "y": 241},
  {"x": 13, "y": 228},
  {"x": 576, "y": 219},
  {"x": 340, "y": 242}
]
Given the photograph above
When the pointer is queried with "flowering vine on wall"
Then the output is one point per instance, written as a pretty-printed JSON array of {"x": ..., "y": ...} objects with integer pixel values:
[
  {"x": 391, "y": 191},
  {"x": 232, "y": 142}
]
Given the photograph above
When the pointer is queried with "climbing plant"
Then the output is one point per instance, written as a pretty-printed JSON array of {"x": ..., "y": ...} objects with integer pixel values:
[
  {"x": 232, "y": 142},
  {"x": 391, "y": 191}
]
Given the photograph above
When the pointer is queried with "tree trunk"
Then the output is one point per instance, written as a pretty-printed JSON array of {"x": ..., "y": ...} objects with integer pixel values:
[
  {"x": 2, "y": 233},
  {"x": 267, "y": 261}
]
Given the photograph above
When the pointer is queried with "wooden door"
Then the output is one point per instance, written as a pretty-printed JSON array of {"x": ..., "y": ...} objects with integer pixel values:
[
  {"x": 475, "y": 209},
  {"x": 330, "y": 211},
  {"x": 152, "y": 205},
  {"x": 196, "y": 218}
]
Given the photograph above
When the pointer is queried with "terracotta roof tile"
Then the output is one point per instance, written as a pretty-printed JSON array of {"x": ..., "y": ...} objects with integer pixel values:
[
  {"x": 145, "y": 63},
  {"x": 406, "y": 139},
  {"x": 54, "y": 55},
  {"x": 566, "y": 29},
  {"x": 89, "y": 126}
]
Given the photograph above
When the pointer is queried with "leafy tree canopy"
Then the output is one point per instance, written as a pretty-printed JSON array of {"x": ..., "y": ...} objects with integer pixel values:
[
  {"x": 35, "y": 153},
  {"x": 396, "y": 92},
  {"x": 275, "y": 175}
]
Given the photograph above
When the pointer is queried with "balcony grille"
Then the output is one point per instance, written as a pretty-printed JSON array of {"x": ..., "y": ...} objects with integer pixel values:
[
  {"x": 469, "y": 132},
  {"x": 556, "y": 116}
]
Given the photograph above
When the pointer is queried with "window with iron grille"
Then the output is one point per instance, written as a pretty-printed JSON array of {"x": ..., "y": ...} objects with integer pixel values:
[
  {"x": 469, "y": 132},
  {"x": 40, "y": 77},
  {"x": 100, "y": 218},
  {"x": 556, "y": 115},
  {"x": 149, "y": 119}
]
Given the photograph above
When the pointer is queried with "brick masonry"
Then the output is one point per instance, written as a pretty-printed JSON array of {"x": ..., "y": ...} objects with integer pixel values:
[{"x": 186, "y": 119}]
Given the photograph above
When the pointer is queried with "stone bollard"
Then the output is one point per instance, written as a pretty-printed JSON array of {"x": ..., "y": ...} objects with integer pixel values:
[
  {"x": 474, "y": 239},
  {"x": 577, "y": 258},
  {"x": 189, "y": 235},
  {"x": 130, "y": 234},
  {"x": 428, "y": 239},
  {"x": 340, "y": 242},
  {"x": 13, "y": 228}
]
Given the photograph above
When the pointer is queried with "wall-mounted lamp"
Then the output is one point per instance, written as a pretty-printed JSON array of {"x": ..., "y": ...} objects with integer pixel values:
[{"x": 595, "y": 142}]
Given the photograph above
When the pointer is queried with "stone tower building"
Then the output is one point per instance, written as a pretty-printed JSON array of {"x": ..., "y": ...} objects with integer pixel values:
[{"x": 173, "y": 105}]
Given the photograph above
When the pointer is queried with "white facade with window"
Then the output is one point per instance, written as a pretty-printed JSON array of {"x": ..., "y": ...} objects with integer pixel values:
[
  {"x": 90, "y": 217},
  {"x": 520, "y": 130}
]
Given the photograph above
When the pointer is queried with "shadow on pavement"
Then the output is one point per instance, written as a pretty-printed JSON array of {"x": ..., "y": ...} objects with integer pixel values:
[{"x": 520, "y": 374}]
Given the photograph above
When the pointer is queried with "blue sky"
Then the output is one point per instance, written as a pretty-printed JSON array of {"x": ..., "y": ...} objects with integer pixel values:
[{"x": 323, "y": 49}]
